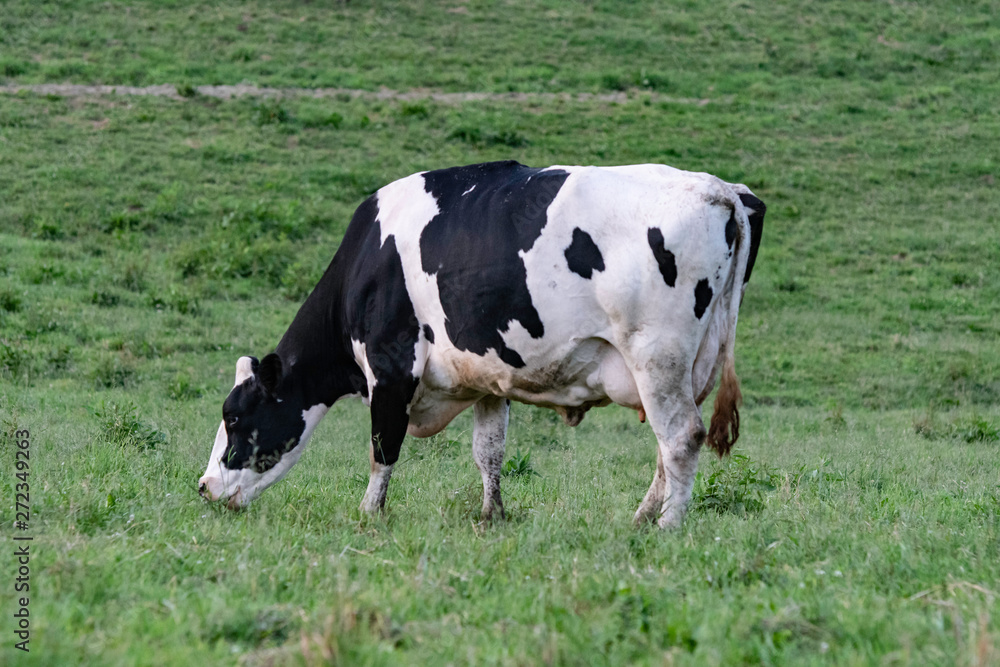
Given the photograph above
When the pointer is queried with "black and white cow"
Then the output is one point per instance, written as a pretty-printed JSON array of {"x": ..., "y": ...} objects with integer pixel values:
[{"x": 565, "y": 287}]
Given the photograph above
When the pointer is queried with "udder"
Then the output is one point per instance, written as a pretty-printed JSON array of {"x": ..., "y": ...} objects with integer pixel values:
[
  {"x": 615, "y": 379},
  {"x": 430, "y": 414}
]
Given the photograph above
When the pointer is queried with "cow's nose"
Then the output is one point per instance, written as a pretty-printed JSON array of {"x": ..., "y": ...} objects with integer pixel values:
[{"x": 210, "y": 488}]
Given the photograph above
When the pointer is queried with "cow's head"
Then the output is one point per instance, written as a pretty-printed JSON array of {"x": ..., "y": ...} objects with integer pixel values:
[{"x": 265, "y": 425}]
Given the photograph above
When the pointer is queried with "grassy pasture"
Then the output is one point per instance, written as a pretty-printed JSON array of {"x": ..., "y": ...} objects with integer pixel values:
[{"x": 147, "y": 243}]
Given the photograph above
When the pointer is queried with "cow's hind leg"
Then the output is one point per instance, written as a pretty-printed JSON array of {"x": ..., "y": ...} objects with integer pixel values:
[
  {"x": 489, "y": 436},
  {"x": 679, "y": 431},
  {"x": 389, "y": 420}
]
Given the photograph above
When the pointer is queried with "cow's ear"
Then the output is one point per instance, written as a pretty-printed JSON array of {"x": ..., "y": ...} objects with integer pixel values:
[{"x": 269, "y": 372}]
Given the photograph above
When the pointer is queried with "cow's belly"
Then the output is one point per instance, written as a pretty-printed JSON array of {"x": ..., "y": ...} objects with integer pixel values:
[{"x": 587, "y": 373}]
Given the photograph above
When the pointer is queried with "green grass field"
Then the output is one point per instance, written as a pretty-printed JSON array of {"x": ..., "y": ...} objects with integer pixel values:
[{"x": 146, "y": 243}]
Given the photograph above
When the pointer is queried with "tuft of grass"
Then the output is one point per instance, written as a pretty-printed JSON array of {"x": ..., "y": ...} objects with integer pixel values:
[
  {"x": 418, "y": 110},
  {"x": 518, "y": 465},
  {"x": 271, "y": 112},
  {"x": 926, "y": 426},
  {"x": 969, "y": 429},
  {"x": 47, "y": 230},
  {"x": 121, "y": 426},
  {"x": 15, "y": 362},
  {"x": 133, "y": 276},
  {"x": 105, "y": 299},
  {"x": 113, "y": 371},
  {"x": 177, "y": 299},
  {"x": 186, "y": 89},
  {"x": 10, "y": 301},
  {"x": 183, "y": 388},
  {"x": 322, "y": 120},
  {"x": 976, "y": 429},
  {"x": 737, "y": 486}
]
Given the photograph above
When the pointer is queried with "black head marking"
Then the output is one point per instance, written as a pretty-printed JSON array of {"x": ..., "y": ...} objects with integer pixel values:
[
  {"x": 260, "y": 428},
  {"x": 488, "y": 214},
  {"x": 664, "y": 258},
  {"x": 702, "y": 297},
  {"x": 583, "y": 256}
]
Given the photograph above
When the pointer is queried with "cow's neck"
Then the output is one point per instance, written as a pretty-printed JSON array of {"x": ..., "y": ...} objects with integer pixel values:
[{"x": 313, "y": 349}]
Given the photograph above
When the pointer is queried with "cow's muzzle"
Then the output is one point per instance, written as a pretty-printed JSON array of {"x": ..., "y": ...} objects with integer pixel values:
[{"x": 212, "y": 489}]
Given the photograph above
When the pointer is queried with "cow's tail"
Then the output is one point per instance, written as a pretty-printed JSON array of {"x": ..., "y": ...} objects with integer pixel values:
[{"x": 724, "y": 428}]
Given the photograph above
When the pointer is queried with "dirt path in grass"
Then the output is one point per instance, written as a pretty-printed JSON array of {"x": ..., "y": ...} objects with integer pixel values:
[{"x": 244, "y": 90}]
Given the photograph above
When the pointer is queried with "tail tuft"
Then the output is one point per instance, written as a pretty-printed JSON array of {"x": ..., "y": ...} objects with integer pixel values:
[{"x": 724, "y": 430}]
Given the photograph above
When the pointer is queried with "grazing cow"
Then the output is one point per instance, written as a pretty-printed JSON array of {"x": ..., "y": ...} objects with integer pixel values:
[{"x": 565, "y": 287}]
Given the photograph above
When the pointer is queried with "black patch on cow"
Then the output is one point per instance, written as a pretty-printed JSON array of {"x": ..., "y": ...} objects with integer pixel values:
[
  {"x": 756, "y": 217},
  {"x": 472, "y": 247},
  {"x": 732, "y": 229},
  {"x": 429, "y": 333},
  {"x": 664, "y": 258},
  {"x": 583, "y": 256},
  {"x": 702, "y": 297}
]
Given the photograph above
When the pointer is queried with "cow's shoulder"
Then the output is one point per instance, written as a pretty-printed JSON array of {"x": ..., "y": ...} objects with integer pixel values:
[{"x": 378, "y": 313}]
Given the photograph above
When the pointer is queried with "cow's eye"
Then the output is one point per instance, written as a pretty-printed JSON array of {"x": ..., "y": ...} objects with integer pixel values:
[{"x": 231, "y": 421}]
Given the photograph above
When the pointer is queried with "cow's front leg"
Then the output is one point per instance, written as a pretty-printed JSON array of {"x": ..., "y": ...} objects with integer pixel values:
[
  {"x": 389, "y": 421},
  {"x": 489, "y": 436}
]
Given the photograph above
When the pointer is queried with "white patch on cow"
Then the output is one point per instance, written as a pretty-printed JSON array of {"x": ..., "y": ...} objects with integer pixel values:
[
  {"x": 312, "y": 418},
  {"x": 244, "y": 370},
  {"x": 469, "y": 190},
  {"x": 212, "y": 478},
  {"x": 361, "y": 359},
  {"x": 378, "y": 485},
  {"x": 402, "y": 204}
]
